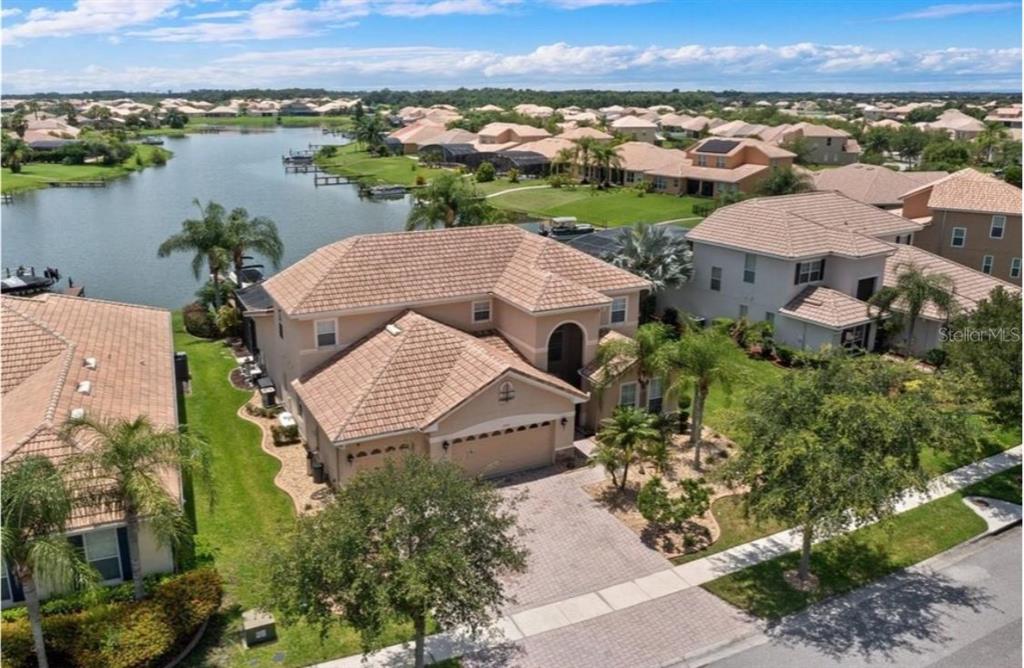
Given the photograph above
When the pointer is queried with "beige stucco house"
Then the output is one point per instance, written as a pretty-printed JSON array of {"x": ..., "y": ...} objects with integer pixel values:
[
  {"x": 69, "y": 356},
  {"x": 463, "y": 344}
]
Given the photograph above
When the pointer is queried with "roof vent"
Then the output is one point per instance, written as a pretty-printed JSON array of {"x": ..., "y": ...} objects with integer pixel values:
[
  {"x": 85, "y": 387},
  {"x": 393, "y": 329},
  {"x": 90, "y": 363},
  {"x": 77, "y": 413}
]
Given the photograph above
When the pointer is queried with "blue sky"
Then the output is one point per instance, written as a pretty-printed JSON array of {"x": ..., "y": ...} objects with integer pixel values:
[{"x": 856, "y": 45}]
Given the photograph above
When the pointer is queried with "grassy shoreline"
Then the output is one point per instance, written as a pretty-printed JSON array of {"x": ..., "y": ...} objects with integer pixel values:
[
  {"x": 38, "y": 175},
  {"x": 243, "y": 123}
]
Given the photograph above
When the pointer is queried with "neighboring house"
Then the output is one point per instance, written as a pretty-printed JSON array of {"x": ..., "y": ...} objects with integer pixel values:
[
  {"x": 827, "y": 145},
  {"x": 634, "y": 128},
  {"x": 806, "y": 263},
  {"x": 575, "y": 134},
  {"x": 499, "y": 136},
  {"x": 955, "y": 123},
  {"x": 971, "y": 218},
  {"x": 873, "y": 184},
  {"x": 463, "y": 344},
  {"x": 409, "y": 139},
  {"x": 66, "y": 356},
  {"x": 1009, "y": 117}
]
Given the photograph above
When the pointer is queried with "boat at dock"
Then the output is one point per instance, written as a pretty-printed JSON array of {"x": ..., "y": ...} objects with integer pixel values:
[
  {"x": 25, "y": 281},
  {"x": 152, "y": 141},
  {"x": 564, "y": 226}
]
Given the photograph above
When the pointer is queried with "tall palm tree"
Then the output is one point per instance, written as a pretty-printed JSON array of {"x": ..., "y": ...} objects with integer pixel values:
[
  {"x": 205, "y": 237},
  {"x": 125, "y": 464},
  {"x": 697, "y": 361},
  {"x": 369, "y": 131},
  {"x": 605, "y": 157},
  {"x": 246, "y": 234},
  {"x": 654, "y": 253},
  {"x": 784, "y": 181},
  {"x": 623, "y": 439},
  {"x": 565, "y": 157},
  {"x": 913, "y": 291},
  {"x": 36, "y": 504},
  {"x": 584, "y": 145},
  {"x": 993, "y": 135},
  {"x": 641, "y": 353},
  {"x": 449, "y": 201}
]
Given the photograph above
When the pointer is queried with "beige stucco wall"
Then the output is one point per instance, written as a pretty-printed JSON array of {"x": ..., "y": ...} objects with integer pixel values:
[{"x": 936, "y": 238}]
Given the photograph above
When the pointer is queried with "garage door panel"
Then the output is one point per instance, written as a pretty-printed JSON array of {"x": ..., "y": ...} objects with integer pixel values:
[{"x": 505, "y": 453}]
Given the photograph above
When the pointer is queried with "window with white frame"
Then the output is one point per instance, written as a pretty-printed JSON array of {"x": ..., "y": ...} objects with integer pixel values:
[
  {"x": 1015, "y": 268},
  {"x": 809, "y": 272},
  {"x": 102, "y": 553},
  {"x": 654, "y": 400},
  {"x": 326, "y": 333},
  {"x": 702, "y": 160},
  {"x": 998, "y": 227},
  {"x": 619, "y": 309},
  {"x": 749, "y": 267},
  {"x": 482, "y": 311},
  {"x": 716, "y": 279},
  {"x": 506, "y": 393},
  {"x": 627, "y": 395},
  {"x": 959, "y": 237},
  {"x": 986, "y": 264}
]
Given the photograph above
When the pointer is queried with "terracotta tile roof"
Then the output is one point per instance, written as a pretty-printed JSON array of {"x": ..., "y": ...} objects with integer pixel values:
[
  {"x": 801, "y": 226},
  {"x": 812, "y": 130},
  {"x": 45, "y": 342},
  {"x": 594, "y": 371},
  {"x": 633, "y": 122},
  {"x": 548, "y": 147},
  {"x": 406, "y": 377},
  {"x": 969, "y": 286},
  {"x": 420, "y": 132},
  {"x": 827, "y": 307},
  {"x": 638, "y": 156},
  {"x": 407, "y": 268},
  {"x": 579, "y": 133},
  {"x": 971, "y": 190},
  {"x": 872, "y": 184}
]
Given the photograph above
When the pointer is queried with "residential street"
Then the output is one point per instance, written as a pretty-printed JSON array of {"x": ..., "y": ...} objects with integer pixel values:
[{"x": 962, "y": 608}]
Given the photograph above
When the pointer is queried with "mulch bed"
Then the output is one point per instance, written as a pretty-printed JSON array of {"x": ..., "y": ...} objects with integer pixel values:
[{"x": 238, "y": 381}]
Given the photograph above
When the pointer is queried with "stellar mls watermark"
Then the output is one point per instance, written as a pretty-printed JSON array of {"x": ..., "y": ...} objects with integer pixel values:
[{"x": 979, "y": 334}]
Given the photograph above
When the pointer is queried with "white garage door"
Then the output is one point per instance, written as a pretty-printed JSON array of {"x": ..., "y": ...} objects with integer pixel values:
[{"x": 493, "y": 454}]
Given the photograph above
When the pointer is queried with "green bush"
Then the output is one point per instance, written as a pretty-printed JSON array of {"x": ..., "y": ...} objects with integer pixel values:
[
  {"x": 657, "y": 507},
  {"x": 513, "y": 175},
  {"x": 199, "y": 321},
  {"x": 229, "y": 320},
  {"x": 159, "y": 157},
  {"x": 485, "y": 172},
  {"x": 327, "y": 151},
  {"x": 785, "y": 354},
  {"x": 284, "y": 435},
  {"x": 136, "y": 634},
  {"x": 936, "y": 357}
]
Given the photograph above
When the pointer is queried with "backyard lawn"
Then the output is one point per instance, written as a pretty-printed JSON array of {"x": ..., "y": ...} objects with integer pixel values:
[
  {"x": 606, "y": 208},
  {"x": 848, "y": 562},
  {"x": 35, "y": 175},
  {"x": 349, "y": 160},
  {"x": 1005, "y": 486},
  {"x": 248, "y": 510}
]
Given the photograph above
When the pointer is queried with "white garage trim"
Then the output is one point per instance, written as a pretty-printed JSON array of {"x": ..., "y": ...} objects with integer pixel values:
[{"x": 503, "y": 423}]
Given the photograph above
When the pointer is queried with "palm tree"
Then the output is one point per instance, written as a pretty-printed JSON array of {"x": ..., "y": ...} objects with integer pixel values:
[
  {"x": 606, "y": 157},
  {"x": 620, "y": 354},
  {"x": 566, "y": 156},
  {"x": 15, "y": 152},
  {"x": 370, "y": 131},
  {"x": 912, "y": 292},
  {"x": 697, "y": 361},
  {"x": 258, "y": 234},
  {"x": 993, "y": 135},
  {"x": 623, "y": 439},
  {"x": 206, "y": 238},
  {"x": 125, "y": 463},
  {"x": 584, "y": 145},
  {"x": 449, "y": 201},
  {"x": 652, "y": 252},
  {"x": 784, "y": 181},
  {"x": 36, "y": 504}
]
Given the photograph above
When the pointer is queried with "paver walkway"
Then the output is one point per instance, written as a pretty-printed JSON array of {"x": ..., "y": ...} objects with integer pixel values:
[{"x": 509, "y": 641}]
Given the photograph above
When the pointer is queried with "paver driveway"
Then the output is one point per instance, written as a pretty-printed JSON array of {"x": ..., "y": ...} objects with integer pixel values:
[{"x": 576, "y": 546}]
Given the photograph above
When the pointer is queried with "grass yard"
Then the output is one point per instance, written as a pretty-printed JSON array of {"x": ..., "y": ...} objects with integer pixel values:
[
  {"x": 340, "y": 122},
  {"x": 736, "y": 529},
  {"x": 248, "y": 510},
  {"x": 350, "y": 161},
  {"x": 35, "y": 175},
  {"x": 996, "y": 439},
  {"x": 607, "y": 208},
  {"x": 1005, "y": 486},
  {"x": 854, "y": 560},
  {"x": 724, "y": 410}
]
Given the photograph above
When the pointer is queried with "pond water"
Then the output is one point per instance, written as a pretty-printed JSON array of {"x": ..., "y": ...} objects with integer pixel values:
[{"x": 106, "y": 238}]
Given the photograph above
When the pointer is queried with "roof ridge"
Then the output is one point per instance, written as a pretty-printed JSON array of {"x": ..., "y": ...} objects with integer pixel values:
[{"x": 47, "y": 296}]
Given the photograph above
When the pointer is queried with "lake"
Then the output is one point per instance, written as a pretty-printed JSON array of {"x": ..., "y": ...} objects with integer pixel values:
[{"x": 106, "y": 238}]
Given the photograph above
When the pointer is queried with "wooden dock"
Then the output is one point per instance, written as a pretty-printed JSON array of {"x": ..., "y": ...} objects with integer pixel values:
[
  {"x": 77, "y": 184},
  {"x": 322, "y": 179},
  {"x": 301, "y": 168}
]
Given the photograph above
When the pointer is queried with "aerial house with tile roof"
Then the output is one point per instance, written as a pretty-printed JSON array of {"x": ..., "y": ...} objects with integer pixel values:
[
  {"x": 69, "y": 356},
  {"x": 463, "y": 344}
]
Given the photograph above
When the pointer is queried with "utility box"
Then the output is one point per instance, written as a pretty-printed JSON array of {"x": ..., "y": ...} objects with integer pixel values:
[{"x": 258, "y": 627}]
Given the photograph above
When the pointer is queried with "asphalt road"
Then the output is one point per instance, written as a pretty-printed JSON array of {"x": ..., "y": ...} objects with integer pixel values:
[{"x": 963, "y": 609}]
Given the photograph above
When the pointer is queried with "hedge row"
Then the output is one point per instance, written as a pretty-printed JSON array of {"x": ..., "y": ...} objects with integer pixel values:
[{"x": 138, "y": 634}]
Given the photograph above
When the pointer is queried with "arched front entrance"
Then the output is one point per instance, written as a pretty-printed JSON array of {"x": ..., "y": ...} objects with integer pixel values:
[{"x": 565, "y": 353}]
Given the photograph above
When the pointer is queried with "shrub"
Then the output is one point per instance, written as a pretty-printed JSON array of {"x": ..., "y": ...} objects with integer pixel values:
[
  {"x": 936, "y": 357},
  {"x": 485, "y": 172},
  {"x": 421, "y": 180},
  {"x": 284, "y": 435},
  {"x": 558, "y": 180},
  {"x": 723, "y": 325},
  {"x": 513, "y": 175},
  {"x": 327, "y": 151},
  {"x": 199, "y": 321},
  {"x": 262, "y": 411},
  {"x": 133, "y": 634},
  {"x": 657, "y": 507},
  {"x": 229, "y": 320},
  {"x": 159, "y": 157},
  {"x": 785, "y": 355}
]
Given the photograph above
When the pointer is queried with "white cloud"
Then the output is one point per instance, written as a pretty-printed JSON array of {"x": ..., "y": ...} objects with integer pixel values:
[
  {"x": 205, "y": 16},
  {"x": 948, "y": 10},
  {"x": 87, "y": 17},
  {"x": 585, "y": 4},
  {"x": 5, "y": 13},
  {"x": 419, "y": 9},
  {"x": 799, "y": 66}
]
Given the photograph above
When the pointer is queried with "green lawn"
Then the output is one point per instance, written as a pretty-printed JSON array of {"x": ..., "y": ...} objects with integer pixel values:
[
  {"x": 1005, "y": 486},
  {"x": 607, "y": 208},
  {"x": 340, "y": 122},
  {"x": 848, "y": 562},
  {"x": 996, "y": 439},
  {"x": 249, "y": 510},
  {"x": 35, "y": 175},
  {"x": 736, "y": 529},
  {"x": 349, "y": 160},
  {"x": 724, "y": 410}
]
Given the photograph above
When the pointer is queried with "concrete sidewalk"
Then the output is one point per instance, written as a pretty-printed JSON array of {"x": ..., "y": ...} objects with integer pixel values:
[{"x": 623, "y": 595}]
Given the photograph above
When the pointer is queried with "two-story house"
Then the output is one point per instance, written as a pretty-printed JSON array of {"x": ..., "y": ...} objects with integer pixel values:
[
  {"x": 465, "y": 344},
  {"x": 825, "y": 145},
  {"x": 67, "y": 357},
  {"x": 634, "y": 128},
  {"x": 971, "y": 218}
]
